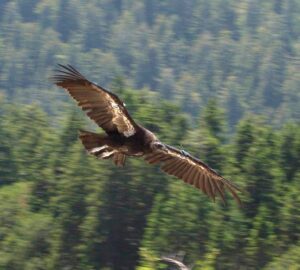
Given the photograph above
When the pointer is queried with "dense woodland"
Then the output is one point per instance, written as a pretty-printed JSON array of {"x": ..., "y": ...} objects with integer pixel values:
[{"x": 218, "y": 78}]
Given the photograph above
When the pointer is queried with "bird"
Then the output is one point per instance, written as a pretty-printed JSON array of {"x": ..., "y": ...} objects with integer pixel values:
[{"x": 124, "y": 137}]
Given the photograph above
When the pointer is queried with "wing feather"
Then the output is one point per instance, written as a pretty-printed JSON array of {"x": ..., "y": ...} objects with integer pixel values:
[
  {"x": 184, "y": 169},
  {"x": 155, "y": 159},
  {"x": 102, "y": 106},
  {"x": 220, "y": 191},
  {"x": 192, "y": 171},
  {"x": 197, "y": 179},
  {"x": 193, "y": 176},
  {"x": 175, "y": 166},
  {"x": 178, "y": 169},
  {"x": 187, "y": 175},
  {"x": 208, "y": 187}
]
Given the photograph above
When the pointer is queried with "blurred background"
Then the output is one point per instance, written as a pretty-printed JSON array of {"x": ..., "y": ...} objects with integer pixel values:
[{"x": 218, "y": 78}]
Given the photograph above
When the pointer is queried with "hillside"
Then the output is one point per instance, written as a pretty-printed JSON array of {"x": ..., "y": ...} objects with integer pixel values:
[
  {"x": 217, "y": 78},
  {"x": 245, "y": 54}
]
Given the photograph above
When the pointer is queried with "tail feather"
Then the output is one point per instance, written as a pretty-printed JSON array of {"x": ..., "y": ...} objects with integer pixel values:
[
  {"x": 96, "y": 144},
  {"x": 93, "y": 141}
]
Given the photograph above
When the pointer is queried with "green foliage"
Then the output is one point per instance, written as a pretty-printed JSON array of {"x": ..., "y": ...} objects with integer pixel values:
[
  {"x": 226, "y": 48},
  {"x": 25, "y": 236},
  {"x": 223, "y": 63},
  {"x": 83, "y": 213},
  {"x": 288, "y": 260}
]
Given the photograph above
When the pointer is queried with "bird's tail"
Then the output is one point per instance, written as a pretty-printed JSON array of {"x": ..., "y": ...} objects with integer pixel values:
[{"x": 97, "y": 145}]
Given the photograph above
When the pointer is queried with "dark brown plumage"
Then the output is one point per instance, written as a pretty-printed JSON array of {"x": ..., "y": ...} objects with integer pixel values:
[{"x": 124, "y": 137}]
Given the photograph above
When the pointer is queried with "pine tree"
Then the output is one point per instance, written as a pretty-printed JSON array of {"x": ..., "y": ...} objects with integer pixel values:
[
  {"x": 290, "y": 151},
  {"x": 8, "y": 166}
]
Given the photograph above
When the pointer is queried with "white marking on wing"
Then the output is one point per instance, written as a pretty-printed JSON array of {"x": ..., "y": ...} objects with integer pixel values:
[
  {"x": 115, "y": 105},
  {"x": 126, "y": 127},
  {"x": 97, "y": 149},
  {"x": 107, "y": 154},
  {"x": 129, "y": 133}
]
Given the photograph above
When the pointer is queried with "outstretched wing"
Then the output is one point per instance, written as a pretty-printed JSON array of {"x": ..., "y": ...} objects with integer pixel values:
[
  {"x": 192, "y": 171},
  {"x": 102, "y": 106}
]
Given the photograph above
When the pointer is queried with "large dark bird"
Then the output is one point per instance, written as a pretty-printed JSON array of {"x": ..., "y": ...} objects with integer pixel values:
[{"x": 124, "y": 137}]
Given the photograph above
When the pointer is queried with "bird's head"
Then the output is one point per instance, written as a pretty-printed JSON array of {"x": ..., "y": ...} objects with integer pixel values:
[{"x": 157, "y": 145}]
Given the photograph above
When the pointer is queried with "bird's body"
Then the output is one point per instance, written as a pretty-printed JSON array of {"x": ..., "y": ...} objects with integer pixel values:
[
  {"x": 137, "y": 145},
  {"x": 124, "y": 137},
  {"x": 140, "y": 143}
]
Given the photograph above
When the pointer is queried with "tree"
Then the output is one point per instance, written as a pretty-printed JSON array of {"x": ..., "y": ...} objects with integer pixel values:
[
  {"x": 7, "y": 160},
  {"x": 213, "y": 119},
  {"x": 246, "y": 131},
  {"x": 67, "y": 21},
  {"x": 290, "y": 149},
  {"x": 25, "y": 236}
]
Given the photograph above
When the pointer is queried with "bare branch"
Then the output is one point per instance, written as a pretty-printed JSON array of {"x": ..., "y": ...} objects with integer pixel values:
[{"x": 179, "y": 264}]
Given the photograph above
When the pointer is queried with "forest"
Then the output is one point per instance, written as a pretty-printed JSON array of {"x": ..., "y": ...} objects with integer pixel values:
[{"x": 217, "y": 78}]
